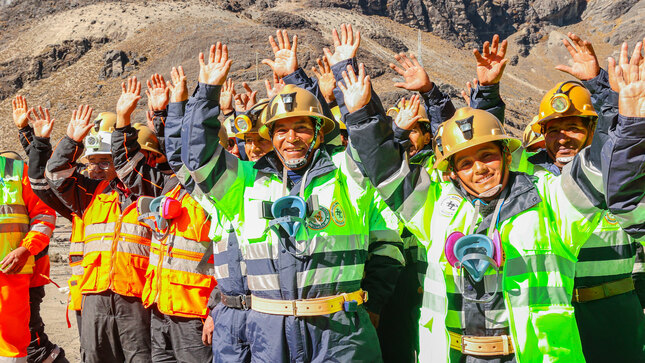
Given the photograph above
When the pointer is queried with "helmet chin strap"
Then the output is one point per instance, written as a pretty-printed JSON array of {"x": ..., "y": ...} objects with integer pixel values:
[{"x": 300, "y": 162}]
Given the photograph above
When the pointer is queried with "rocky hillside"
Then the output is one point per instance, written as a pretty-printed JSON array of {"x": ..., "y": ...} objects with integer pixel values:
[{"x": 62, "y": 53}]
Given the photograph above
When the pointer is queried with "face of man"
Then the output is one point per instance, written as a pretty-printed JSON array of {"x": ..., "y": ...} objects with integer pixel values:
[
  {"x": 256, "y": 146},
  {"x": 564, "y": 138},
  {"x": 101, "y": 167},
  {"x": 481, "y": 168},
  {"x": 418, "y": 139},
  {"x": 291, "y": 137}
]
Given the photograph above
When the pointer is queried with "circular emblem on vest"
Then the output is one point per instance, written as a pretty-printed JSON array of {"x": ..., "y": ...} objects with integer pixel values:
[
  {"x": 610, "y": 218},
  {"x": 337, "y": 214},
  {"x": 449, "y": 205},
  {"x": 320, "y": 220}
]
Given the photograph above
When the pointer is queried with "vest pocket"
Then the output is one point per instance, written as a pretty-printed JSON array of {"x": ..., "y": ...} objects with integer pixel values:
[
  {"x": 91, "y": 270},
  {"x": 188, "y": 293},
  {"x": 556, "y": 331}
]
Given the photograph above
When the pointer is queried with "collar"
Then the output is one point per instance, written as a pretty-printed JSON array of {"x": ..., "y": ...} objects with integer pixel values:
[
  {"x": 423, "y": 155},
  {"x": 321, "y": 164},
  {"x": 541, "y": 158},
  {"x": 522, "y": 196}
]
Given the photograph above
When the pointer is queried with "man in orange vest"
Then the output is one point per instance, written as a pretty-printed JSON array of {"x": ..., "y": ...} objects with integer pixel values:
[
  {"x": 180, "y": 278},
  {"x": 26, "y": 224},
  {"x": 115, "y": 324}
]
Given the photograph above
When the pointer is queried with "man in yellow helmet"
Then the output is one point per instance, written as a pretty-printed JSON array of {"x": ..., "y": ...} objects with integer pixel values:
[
  {"x": 568, "y": 122},
  {"x": 486, "y": 245},
  {"x": 312, "y": 237}
]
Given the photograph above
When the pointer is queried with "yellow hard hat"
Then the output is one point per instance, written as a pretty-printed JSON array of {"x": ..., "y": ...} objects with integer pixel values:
[
  {"x": 569, "y": 98},
  {"x": 530, "y": 137},
  {"x": 147, "y": 139},
  {"x": 393, "y": 111},
  {"x": 252, "y": 120},
  {"x": 467, "y": 128},
  {"x": 105, "y": 121},
  {"x": 293, "y": 101}
]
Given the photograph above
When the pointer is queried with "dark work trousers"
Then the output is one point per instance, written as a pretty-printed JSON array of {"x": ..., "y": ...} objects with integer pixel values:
[
  {"x": 612, "y": 329},
  {"x": 229, "y": 336},
  {"x": 78, "y": 321},
  {"x": 177, "y": 339},
  {"x": 39, "y": 347},
  {"x": 398, "y": 329},
  {"x": 115, "y": 328}
]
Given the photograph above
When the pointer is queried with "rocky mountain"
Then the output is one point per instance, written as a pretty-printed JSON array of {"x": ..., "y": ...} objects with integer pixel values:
[{"x": 63, "y": 53}]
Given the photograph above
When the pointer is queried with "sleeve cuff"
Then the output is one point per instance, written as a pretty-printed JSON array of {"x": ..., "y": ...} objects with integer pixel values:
[
  {"x": 208, "y": 91},
  {"x": 341, "y": 66},
  {"x": 631, "y": 127},
  {"x": 598, "y": 83},
  {"x": 434, "y": 94},
  {"x": 297, "y": 77},
  {"x": 488, "y": 92},
  {"x": 360, "y": 115}
]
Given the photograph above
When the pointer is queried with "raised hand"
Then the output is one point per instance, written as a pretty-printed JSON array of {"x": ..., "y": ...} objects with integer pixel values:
[
  {"x": 623, "y": 63},
  {"x": 158, "y": 93},
  {"x": 286, "y": 58},
  {"x": 465, "y": 93},
  {"x": 150, "y": 117},
  {"x": 491, "y": 62},
  {"x": 178, "y": 89},
  {"x": 409, "y": 114},
  {"x": 43, "y": 124},
  {"x": 416, "y": 78},
  {"x": 345, "y": 46},
  {"x": 215, "y": 71},
  {"x": 20, "y": 112},
  {"x": 585, "y": 63},
  {"x": 357, "y": 91},
  {"x": 226, "y": 97},
  {"x": 629, "y": 78},
  {"x": 80, "y": 123},
  {"x": 278, "y": 85},
  {"x": 130, "y": 96},
  {"x": 326, "y": 80},
  {"x": 251, "y": 96}
]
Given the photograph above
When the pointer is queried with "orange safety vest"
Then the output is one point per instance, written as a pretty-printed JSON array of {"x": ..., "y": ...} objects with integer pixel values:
[
  {"x": 175, "y": 281},
  {"x": 117, "y": 245},
  {"x": 76, "y": 263}
]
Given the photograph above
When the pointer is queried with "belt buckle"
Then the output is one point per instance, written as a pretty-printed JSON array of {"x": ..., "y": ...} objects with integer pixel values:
[
  {"x": 462, "y": 343},
  {"x": 243, "y": 303},
  {"x": 605, "y": 290}
]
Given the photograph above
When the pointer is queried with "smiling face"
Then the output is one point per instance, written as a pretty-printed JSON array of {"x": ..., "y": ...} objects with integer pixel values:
[
  {"x": 564, "y": 138},
  {"x": 291, "y": 137},
  {"x": 256, "y": 146},
  {"x": 481, "y": 168}
]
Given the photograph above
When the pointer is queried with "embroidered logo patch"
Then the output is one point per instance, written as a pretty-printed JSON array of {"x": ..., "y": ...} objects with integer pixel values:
[
  {"x": 337, "y": 214},
  {"x": 449, "y": 204},
  {"x": 319, "y": 220},
  {"x": 611, "y": 219}
]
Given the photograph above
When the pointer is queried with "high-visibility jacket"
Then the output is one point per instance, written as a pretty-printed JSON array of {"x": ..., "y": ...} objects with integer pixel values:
[
  {"x": 76, "y": 247},
  {"x": 117, "y": 246},
  {"x": 175, "y": 281},
  {"x": 24, "y": 219}
]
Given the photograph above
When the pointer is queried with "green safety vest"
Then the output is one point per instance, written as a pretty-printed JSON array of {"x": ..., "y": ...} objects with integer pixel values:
[
  {"x": 350, "y": 217},
  {"x": 540, "y": 246},
  {"x": 14, "y": 217}
]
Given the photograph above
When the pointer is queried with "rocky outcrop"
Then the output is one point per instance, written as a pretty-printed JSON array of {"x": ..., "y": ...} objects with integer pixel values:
[
  {"x": 52, "y": 59},
  {"x": 120, "y": 64}
]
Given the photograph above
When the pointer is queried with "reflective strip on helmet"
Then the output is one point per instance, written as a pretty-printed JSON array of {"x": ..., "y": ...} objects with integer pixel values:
[
  {"x": 14, "y": 227},
  {"x": 330, "y": 275},
  {"x": 263, "y": 282},
  {"x": 13, "y": 209},
  {"x": 128, "y": 167}
]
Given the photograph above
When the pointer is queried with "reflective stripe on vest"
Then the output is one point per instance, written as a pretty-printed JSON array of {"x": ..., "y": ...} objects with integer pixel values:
[
  {"x": 14, "y": 217},
  {"x": 116, "y": 246},
  {"x": 179, "y": 285}
]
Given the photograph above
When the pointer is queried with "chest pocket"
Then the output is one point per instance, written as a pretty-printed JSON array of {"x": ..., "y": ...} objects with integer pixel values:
[{"x": 254, "y": 224}]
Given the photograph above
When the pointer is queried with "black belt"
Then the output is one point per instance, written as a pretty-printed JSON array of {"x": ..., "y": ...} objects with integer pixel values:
[{"x": 241, "y": 302}]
